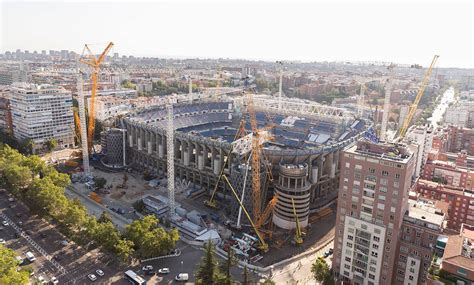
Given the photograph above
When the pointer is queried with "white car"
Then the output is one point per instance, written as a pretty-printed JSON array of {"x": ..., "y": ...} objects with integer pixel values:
[
  {"x": 147, "y": 267},
  {"x": 92, "y": 277},
  {"x": 2, "y": 241},
  {"x": 54, "y": 280},
  {"x": 163, "y": 270},
  {"x": 182, "y": 277},
  {"x": 5, "y": 223},
  {"x": 40, "y": 279},
  {"x": 99, "y": 272}
]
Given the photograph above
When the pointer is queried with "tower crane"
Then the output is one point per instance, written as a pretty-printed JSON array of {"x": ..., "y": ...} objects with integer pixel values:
[
  {"x": 414, "y": 105},
  {"x": 386, "y": 103},
  {"x": 88, "y": 58}
]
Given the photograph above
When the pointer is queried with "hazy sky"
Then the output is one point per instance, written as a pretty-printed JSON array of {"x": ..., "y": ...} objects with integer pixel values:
[{"x": 403, "y": 31}]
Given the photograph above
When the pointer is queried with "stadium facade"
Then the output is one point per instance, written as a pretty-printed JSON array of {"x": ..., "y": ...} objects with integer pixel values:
[{"x": 303, "y": 154}]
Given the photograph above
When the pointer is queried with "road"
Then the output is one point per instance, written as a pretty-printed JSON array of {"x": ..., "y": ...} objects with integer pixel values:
[{"x": 446, "y": 99}]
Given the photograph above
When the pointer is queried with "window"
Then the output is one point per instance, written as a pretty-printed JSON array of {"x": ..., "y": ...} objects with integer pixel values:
[
  {"x": 383, "y": 181},
  {"x": 347, "y": 266},
  {"x": 349, "y": 237},
  {"x": 349, "y": 245},
  {"x": 358, "y": 166},
  {"x": 374, "y": 254},
  {"x": 371, "y": 276},
  {"x": 396, "y": 184},
  {"x": 376, "y": 239},
  {"x": 384, "y": 173},
  {"x": 371, "y": 170},
  {"x": 348, "y": 165},
  {"x": 348, "y": 259},
  {"x": 383, "y": 189},
  {"x": 397, "y": 175},
  {"x": 410, "y": 277},
  {"x": 375, "y": 246},
  {"x": 357, "y": 175},
  {"x": 382, "y": 197},
  {"x": 412, "y": 270},
  {"x": 413, "y": 263}
]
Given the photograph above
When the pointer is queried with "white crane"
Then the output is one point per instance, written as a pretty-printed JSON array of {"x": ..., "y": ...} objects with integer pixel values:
[{"x": 386, "y": 103}]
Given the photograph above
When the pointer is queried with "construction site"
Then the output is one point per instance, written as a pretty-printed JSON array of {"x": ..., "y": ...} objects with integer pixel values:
[{"x": 244, "y": 170}]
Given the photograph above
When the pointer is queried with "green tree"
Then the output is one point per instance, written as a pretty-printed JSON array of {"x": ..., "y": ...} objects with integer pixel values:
[
  {"x": 99, "y": 182},
  {"x": 124, "y": 249},
  {"x": 105, "y": 217},
  {"x": 245, "y": 274},
  {"x": 321, "y": 272},
  {"x": 8, "y": 268},
  {"x": 150, "y": 240},
  {"x": 208, "y": 271},
  {"x": 229, "y": 263},
  {"x": 51, "y": 144}
]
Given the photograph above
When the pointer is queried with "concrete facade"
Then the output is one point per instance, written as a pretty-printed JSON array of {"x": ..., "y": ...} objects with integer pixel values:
[{"x": 41, "y": 113}]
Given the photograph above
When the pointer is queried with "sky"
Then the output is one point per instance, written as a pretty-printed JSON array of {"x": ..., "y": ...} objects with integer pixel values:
[{"x": 403, "y": 31}]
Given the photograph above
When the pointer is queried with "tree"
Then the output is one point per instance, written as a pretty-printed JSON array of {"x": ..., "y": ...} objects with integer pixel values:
[
  {"x": 149, "y": 239},
  {"x": 8, "y": 268},
  {"x": 51, "y": 144},
  {"x": 99, "y": 182},
  {"x": 321, "y": 272},
  {"x": 105, "y": 217},
  {"x": 124, "y": 249},
  {"x": 207, "y": 272},
  {"x": 245, "y": 273},
  {"x": 231, "y": 261}
]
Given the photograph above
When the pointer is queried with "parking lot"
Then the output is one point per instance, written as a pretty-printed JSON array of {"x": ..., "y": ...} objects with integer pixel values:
[{"x": 25, "y": 233}]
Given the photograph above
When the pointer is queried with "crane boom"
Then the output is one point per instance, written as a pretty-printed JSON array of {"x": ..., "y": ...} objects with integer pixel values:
[
  {"x": 256, "y": 195},
  {"x": 414, "y": 106},
  {"x": 298, "y": 238},
  {"x": 266, "y": 213},
  {"x": 263, "y": 244},
  {"x": 94, "y": 62}
]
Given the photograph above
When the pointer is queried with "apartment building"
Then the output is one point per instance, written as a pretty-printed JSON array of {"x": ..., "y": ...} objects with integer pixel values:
[
  {"x": 460, "y": 201},
  {"x": 373, "y": 196},
  {"x": 458, "y": 257},
  {"x": 5, "y": 115},
  {"x": 422, "y": 225},
  {"x": 449, "y": 173},
  {"x": 42, "y": 113},
  {"x": 423, "y": 137}
]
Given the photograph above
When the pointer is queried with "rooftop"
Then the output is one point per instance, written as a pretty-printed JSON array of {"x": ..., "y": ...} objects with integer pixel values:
[
  {"x": 382, "y": 150},
  {"x": 424, "y": 213}
]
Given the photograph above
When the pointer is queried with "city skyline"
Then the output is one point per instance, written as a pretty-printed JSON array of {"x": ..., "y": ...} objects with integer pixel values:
[{"x": 221, "y": 30}]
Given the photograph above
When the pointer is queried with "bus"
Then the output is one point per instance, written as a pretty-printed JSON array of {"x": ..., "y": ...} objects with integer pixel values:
[{"x": 133, "y": 278}]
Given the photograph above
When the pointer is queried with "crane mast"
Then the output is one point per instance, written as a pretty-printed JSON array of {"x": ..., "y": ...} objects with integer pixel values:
[
  {"x": 386, "y": 103},
  {"x": 414, "y": 106},
  {"x": 170, "y": 156}
]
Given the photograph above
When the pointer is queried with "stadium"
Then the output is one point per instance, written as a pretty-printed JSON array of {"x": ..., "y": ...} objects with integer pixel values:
[{"x": 303, "y": 154}]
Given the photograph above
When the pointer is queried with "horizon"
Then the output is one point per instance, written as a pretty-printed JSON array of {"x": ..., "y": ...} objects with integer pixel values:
[{"x": 309, "y": 32}]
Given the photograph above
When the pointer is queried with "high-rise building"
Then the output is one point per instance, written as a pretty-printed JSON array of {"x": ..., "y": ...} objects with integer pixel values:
[
  {"x": 373, "y": 196},
  {"x": 42, "y": 113},
  {"x": 423, "y": 137}
]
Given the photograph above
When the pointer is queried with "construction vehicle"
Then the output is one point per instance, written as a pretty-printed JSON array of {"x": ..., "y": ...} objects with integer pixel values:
[
  {"x": 262, "y": 245},
  {"x": 88, "y": 58},
  {"x": 414, "y": 106},
  {"x": 298, "y": 236}
]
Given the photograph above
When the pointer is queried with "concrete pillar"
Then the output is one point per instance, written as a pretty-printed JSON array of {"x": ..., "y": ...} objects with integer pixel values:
[
  {"x": 130, "y": 136},
  {"x": 139, "y": 139},
  {"x": 149, "y": 142},
  {"x": 160, "y": 146}
]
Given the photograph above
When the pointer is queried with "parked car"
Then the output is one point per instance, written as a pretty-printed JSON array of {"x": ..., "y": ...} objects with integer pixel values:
[
  {"x": 147, "y": 267},
  {"x": 54, "y": 281},
  {"x": 164, "y": 270},
  {"x": 5, "y": 223},
  {"x": 121, "y": 211},
  {"x": 92, "y": 277},
  {"x": 99, "y": 272},
  {"x": 2, "y": 241}
]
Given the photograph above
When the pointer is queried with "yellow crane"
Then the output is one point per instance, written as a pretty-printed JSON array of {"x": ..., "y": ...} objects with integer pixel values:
[
  {"x": 88, "y": 58},
  {"x": 414, "y": 106},
  {"x": 263, "y": 245},
  {"x": 298, "y": 236},
  {"x": 240, "y": 133}
]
